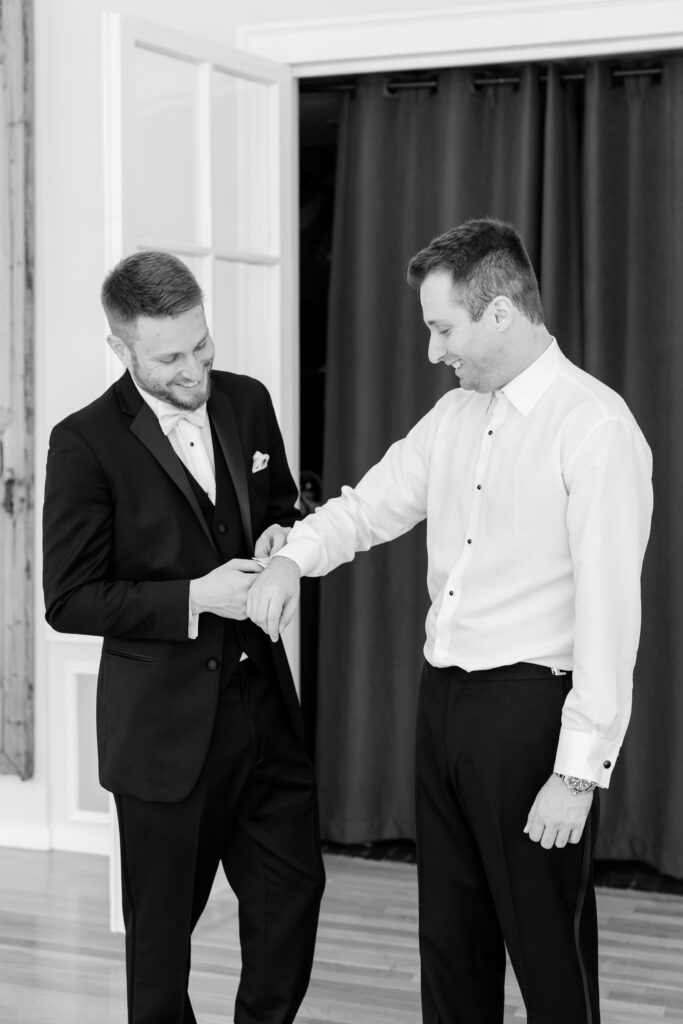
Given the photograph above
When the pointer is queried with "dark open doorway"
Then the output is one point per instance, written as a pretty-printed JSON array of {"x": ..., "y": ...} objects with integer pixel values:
[{"x": 596, "y": 155}]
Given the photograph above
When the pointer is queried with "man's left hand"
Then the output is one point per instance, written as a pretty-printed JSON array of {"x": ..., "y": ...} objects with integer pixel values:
[
  {"x": 271, "y": 540},
  {"x": 557, "y": 816},
  {"x": 272, "y": 606}
]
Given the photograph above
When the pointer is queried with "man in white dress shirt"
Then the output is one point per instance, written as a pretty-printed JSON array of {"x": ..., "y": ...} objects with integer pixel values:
[{"x": 535, "y": 481}]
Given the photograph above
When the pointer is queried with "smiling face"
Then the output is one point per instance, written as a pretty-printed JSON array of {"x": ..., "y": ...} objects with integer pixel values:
[
  {"x": 476, "y": 350},
  {"x": 170, "y": 357}
]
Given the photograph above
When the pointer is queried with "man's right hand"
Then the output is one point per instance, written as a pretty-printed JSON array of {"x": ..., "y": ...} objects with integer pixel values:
[
  {"x": 224, "y": 591},
  {"x": 273, "y": 599}
]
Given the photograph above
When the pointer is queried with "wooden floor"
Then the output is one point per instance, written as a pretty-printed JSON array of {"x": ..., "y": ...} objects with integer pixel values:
[{"x": 59, "y": 964}]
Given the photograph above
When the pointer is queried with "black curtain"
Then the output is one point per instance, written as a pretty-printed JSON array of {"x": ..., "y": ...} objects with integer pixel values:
[{"x": 590, "y": 172}]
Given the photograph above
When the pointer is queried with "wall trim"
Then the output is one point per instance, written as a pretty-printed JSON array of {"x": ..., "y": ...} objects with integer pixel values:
[
  {"x": 82, "y": 837},
  {"x": 25, "y": 837},
  {"x": 74, "y": 812},
  {"x": 468, "y": 35}
]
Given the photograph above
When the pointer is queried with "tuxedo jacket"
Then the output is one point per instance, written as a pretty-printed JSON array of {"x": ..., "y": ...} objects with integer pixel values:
[{"x": 124, "y": 532}]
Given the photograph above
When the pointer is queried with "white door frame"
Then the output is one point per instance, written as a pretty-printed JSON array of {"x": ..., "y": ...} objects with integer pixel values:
[{"x": 468, "y": 34}]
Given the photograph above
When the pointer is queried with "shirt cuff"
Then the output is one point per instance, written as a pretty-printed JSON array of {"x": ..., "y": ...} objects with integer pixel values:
[
  {"x": 192, "y": 622},
  {"x": 585, "y": 756},
  {"x": 304, "y": 551}
]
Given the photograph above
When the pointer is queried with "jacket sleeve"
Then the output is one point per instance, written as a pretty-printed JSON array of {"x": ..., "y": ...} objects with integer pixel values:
[{"x": 81, "y": 593}]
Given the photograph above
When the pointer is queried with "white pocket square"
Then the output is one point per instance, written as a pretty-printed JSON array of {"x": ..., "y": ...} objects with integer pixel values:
[{"x": 260, "y": 461}]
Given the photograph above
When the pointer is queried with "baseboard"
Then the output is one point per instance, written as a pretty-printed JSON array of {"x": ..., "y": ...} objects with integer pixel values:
[
  {"x": 82, "y": 838},
  {"x": 24, "y": 837}
]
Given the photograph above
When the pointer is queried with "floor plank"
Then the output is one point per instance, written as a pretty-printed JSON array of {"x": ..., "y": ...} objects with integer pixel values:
[{"x": 59, "y": 964}]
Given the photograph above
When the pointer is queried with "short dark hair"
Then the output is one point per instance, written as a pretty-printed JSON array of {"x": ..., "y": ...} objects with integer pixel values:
[
  {"x": 485, "y": 258},
  {"x": 148, "y": 283}
]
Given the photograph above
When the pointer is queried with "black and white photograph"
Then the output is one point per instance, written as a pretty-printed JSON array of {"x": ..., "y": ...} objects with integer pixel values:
[{"x": 341, "y": 586}]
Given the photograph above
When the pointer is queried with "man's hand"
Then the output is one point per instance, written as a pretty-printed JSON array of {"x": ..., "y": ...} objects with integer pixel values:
[
  {"x": 557, "y": 816},
  {"x": 224, "y": 590},
  {"x": 271, "y": 540},
  {"x": 273, "y": 599}
]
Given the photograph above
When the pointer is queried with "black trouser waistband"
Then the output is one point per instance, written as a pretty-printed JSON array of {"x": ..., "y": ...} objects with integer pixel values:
[{"x": 520, "y": 670}]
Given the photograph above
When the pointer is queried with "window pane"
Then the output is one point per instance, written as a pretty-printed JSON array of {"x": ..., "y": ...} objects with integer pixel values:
[
  {"x": 167, "y": 148},
  {"x": 243, "y": 317},
  {"x": 241, "y": 125}
]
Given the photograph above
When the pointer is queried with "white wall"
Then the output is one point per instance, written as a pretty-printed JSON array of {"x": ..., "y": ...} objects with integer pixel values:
[{"x": 70, "y": 264}]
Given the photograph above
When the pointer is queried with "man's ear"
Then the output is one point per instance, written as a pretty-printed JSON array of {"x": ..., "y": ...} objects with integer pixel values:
[
  {"x": 503, "y": 312},
  {"x": 120, "y": 349}
]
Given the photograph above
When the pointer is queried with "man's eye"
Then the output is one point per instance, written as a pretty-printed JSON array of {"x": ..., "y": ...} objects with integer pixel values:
[
  {"x": 202, "y": 344},
  {"x": 169, "y": 359},
  {"x": 444, "y": 331}
]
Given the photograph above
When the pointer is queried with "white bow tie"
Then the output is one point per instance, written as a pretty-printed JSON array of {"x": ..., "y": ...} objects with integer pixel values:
[{"x": 170, "y": 418}]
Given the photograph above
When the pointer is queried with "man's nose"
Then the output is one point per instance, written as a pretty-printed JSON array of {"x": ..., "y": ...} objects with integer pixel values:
[
  {"x": 193, "y": 367},
  {"x": 435, "y": 350}
]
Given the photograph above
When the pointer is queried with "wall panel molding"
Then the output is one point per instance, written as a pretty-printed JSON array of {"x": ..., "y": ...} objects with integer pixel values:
[{"x": 75, "y": 823}]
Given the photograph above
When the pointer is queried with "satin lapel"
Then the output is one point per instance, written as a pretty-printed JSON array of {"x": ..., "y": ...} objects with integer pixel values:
[
  {"x": 225, "y": 425},
  {"x": 145, "y": 426}
]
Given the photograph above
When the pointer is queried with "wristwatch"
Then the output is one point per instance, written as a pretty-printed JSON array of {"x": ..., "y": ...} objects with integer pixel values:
[{"x": 576, "y": 786}]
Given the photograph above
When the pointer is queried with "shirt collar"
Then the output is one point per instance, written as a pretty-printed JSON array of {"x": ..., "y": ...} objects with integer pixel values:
[
  {"x": 524, "y": 391},
  {"x": 157, "y": 405}
]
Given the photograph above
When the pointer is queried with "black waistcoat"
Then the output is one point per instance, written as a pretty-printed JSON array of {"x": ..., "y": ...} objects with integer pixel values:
[{"x": 225, "y": 523}]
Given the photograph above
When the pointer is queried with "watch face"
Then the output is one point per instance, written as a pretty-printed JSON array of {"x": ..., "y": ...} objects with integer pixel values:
[{"x": 578, "y": 785}]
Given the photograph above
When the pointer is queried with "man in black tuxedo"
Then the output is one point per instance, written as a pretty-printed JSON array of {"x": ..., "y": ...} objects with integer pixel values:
[{"x": 154, "y": 494}]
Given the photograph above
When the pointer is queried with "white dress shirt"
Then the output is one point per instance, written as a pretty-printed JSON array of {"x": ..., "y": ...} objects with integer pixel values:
[
  {"x": 538, "y": 502},
  {"x": 192, "y": 443},
  {"x": 190, "y": 439}
]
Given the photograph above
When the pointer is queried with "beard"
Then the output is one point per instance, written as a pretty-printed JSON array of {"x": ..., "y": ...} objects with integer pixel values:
[{"x": 173, "y": 394}]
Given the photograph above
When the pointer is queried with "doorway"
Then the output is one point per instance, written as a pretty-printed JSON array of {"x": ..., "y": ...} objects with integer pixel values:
[{"x": 613, "y": 128}]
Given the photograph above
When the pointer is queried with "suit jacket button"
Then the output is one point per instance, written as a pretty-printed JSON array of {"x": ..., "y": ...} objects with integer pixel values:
[
  {"x": 212, "y": 664},
  {"x": 606, "y": 764},
  {"x": 222, "y": 528}
]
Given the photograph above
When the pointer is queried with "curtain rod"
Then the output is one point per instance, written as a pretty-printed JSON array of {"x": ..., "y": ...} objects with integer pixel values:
[{"x": 393, "y": 86}]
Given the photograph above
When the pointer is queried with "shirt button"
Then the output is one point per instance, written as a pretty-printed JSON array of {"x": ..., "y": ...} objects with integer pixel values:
[
  {"x": 212, "y": 664},
  {"x": 222, "y": 528},
  {"x": 606, "y": 764},
  {"x": 469, "y": 540},
  {"x": 490, "y": 432},
  {"x": 450, "y": 593},
  {"x": 478, "y": 487}
]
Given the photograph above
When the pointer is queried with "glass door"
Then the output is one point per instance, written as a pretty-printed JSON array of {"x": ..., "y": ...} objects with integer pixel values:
[{"x": 200, "y": 161}]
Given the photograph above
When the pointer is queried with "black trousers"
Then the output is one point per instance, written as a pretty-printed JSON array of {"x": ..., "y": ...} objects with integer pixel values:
[
  {"x": 486, "y": 743},
  {"x": 253, "y": 810}
]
